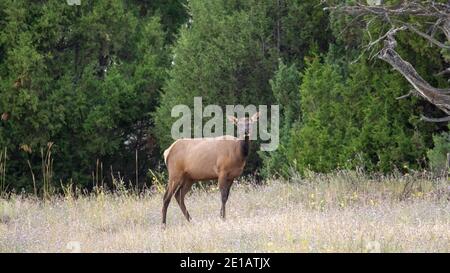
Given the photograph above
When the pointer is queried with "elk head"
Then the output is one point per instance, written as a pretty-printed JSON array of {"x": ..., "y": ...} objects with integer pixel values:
[{"x": 244, "y": 125}]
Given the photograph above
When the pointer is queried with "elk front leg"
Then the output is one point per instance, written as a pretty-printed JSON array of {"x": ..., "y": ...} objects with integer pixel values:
[{"x": 224, "y": 186}]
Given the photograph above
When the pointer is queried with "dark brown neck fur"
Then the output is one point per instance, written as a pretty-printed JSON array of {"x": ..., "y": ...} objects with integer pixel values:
[{"x": 245, "y": 146}]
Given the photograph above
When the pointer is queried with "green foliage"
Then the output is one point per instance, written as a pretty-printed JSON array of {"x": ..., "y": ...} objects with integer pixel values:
[
  {"x": 438, "y": 155},
  {"x": 221, "y": 56},
  {"x": 84, "y": 77},
  {"x": 99, "y": 81},
  {"x": 172, "y": 13},
  {"x": 355, "y": 121},
  {"x": 303, "y": 24},
  {"x": 229, "y": 51},
  {"x": 284, "y": 85}
]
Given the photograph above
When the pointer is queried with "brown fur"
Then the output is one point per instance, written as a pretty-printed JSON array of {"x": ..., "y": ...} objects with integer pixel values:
[{"x": 193, "y": 160}]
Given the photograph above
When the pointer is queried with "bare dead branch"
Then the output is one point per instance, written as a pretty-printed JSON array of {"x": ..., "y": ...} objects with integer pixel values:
[
  {"x": 416, "y": 8},
  {"x": 439, "y": 13},
  {"x": 392, "y": 30},
  {"x": 445, "y": 27},
  {"x": 443, "y": 72},
  {"x": 404, "y": 96},
  {"x": 410, "y": 93},
  {"x": 443, "y": 119},
  {"x": 424, "y": 89},
  {"x": 428, "y": 37}
]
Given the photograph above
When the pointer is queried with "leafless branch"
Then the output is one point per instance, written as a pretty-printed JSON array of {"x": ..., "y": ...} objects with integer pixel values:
[
  {"x": 424, "y": 89},
  {"x": 438, "y": 12},
  {"x": 444, "y": 72},
  {"x": 444, "y": 119},
  {"x": 416, "y": 8},
  {"x": 428, "y": 37},
  {"x": 410, "y": 93},
  {"x": 392, "y": 15}
]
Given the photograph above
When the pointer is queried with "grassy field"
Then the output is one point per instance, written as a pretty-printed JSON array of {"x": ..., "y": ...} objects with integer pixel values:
[{"x": 342, "y": 212}]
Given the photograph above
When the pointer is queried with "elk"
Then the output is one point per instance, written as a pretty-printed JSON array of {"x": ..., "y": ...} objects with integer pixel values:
[{"x": 191, "y": 160}]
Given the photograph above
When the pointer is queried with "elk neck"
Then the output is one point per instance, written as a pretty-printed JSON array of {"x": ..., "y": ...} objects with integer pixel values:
[{"x": 245, "y": 146}]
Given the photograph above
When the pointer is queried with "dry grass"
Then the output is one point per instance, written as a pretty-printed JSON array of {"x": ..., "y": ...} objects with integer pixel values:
[{"x": 343, "y": 212}]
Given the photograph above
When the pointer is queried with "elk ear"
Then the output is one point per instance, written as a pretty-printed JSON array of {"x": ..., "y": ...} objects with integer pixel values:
[
  {"x": 255, "y": 117},
  {"x": 233, "y": 119}
]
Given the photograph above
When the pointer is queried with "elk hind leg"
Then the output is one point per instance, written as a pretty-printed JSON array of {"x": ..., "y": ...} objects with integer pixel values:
[
  {"x": 171, "y": 188},
  {"x": 181, "y": 194}
]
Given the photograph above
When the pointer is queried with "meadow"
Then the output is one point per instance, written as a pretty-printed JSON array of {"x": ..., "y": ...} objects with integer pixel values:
[{"x": 340, "y": 212}]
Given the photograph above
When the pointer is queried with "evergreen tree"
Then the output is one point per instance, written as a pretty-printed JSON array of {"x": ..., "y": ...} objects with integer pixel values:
[
  {"x": 82, "y": 77},
  {"x": 355, "y": 121},
  {"x": 285, "y": 85}
]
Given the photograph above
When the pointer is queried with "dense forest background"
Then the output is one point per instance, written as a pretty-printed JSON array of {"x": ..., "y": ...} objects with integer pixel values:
[{"x": 87, "y": 90}]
